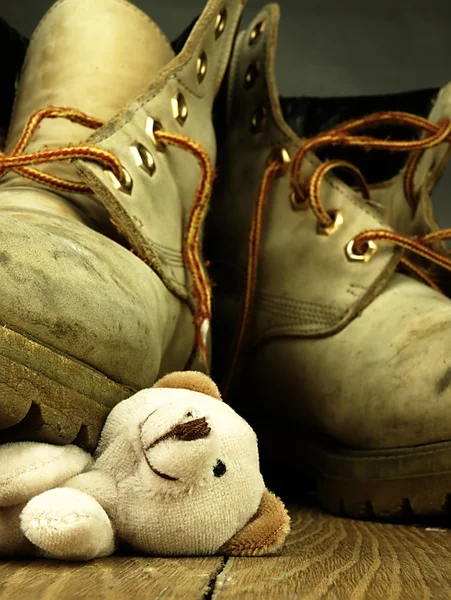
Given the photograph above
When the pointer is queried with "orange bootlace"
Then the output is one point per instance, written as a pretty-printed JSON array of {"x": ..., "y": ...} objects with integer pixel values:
[
  {"x": 307, "y": 196},
  {"x": 21, "y": 162}
]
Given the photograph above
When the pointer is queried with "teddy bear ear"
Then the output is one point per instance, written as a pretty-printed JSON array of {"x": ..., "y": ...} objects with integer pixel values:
[
  {"x": 190, "y": 380},
  {"x": 265, "y": 532}
]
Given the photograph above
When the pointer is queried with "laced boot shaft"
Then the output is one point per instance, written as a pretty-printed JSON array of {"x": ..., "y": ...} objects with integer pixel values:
[
  {"x": 87, "y": 67},
  {"x": 333, "y": 351},
  {"x": 307, "y": 195},
  {"x": 404, "y": 196},
  {"x": 20, "y": 162},
  {"x": 427, "y": 247},
  {"x": 105, "y": 183}
]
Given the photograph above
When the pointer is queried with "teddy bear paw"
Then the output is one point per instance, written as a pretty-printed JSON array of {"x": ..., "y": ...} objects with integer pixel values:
[{"x": 68, "y": 524}]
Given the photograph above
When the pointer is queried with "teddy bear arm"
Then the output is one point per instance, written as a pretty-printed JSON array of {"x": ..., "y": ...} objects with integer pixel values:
[
  {"x": 30, "y": 468},
  {"x": 68, "y": 524}
]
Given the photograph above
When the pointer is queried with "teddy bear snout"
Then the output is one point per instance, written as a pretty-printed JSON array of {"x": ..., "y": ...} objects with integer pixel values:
[{"x": 185, "y": 453}]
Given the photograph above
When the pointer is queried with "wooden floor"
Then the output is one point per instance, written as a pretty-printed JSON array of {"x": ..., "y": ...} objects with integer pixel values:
[{"x": 325, "y": 557}]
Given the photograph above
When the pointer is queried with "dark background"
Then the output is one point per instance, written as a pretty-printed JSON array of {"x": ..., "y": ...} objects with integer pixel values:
[{"x": 329, "y": 47}]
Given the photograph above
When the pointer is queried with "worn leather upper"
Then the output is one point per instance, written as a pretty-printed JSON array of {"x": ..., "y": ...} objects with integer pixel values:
[
  {"x": 348, "y": 349},
  {"x": 68, "y": 277}
]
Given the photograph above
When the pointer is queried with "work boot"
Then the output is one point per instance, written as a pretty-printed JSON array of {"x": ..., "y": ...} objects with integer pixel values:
[
  {"x": 13, "y": 46},
  {"x": 341, "y": 362},
  {"x": 103, "y": 285}
]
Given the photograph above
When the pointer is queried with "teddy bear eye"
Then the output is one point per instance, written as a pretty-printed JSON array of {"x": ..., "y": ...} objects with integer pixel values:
[
  {"x": 219, "y": 469},
  {"x": 189, "y": 414}
]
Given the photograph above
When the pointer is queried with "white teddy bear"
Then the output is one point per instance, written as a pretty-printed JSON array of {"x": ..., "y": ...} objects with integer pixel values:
[{"x": 176, "y": 472}]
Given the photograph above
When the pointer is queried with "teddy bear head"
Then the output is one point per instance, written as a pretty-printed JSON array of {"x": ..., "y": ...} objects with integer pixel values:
[{"x": 187, "y": 470}]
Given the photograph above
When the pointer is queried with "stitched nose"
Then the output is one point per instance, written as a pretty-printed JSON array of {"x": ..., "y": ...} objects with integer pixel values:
[
  {"x": 186, "y": 432},
  {"x": 192, "y": 430}
]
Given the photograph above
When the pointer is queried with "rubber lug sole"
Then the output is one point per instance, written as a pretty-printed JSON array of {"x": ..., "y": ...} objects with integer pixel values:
[
  {"x": 47, "y": 396},
  {"x": 387, "y": 485},
  {"x": 402, "y": 484}
]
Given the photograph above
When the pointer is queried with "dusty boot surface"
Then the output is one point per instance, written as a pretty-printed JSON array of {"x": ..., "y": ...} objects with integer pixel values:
[
  {"x": 105, "y": 183},
  {"x": 324, "y": 339}
]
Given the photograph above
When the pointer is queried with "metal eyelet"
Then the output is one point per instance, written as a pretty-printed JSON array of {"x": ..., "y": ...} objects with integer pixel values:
[
  {"x": 179, "y": 108},
  {"x": 143, "y": 158},
  {"x": 201, "y": 66},
  {"x": 256, "y": 33},
  {"x": 152, "y": 125},
  {"x": 126, "y": 183},
  {"x": 258, "y": 120},
  {"x": 251, "y": 76},
  {"x": 220, "y": 23},
  {"x": 298, "y": 203},
  {"x": 205, "y": 331},
  {"x": 337, "y": 218},
  {"x": 283, "y": 157},
  {"x": 365, "y": 256}
]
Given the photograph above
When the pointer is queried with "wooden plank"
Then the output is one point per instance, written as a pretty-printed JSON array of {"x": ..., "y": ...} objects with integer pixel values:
[
  {"x": 339, "y": 559},
  {"x": 117, "y": 578},
  {"x": 324, "y": 558}
]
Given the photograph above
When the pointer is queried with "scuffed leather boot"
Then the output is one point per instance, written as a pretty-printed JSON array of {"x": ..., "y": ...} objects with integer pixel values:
[
  {"x": 106, "y": 180},
  {"x": 13, "y": 46},
  {"x": 340, "y": 362}
]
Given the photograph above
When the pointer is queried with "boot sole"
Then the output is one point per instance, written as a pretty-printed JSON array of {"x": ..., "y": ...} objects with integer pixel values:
[
  {"x": 47, "y": 396},
  {"x": 384, "y": 484},
  {"x": 389, "y": 484}
]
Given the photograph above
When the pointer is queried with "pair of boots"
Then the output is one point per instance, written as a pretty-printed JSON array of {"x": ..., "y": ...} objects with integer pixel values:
[{"x": 330, "y": 325}]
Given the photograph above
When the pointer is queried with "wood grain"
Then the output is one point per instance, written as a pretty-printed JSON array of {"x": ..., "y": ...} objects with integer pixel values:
[
  {"x": 338, "y": 559},
  {"x": 110, "y": 578},
  {"x": 325, "y": 558}
]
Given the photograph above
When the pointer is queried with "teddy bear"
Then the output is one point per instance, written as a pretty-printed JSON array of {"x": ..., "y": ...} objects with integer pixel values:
[{"x": 176, "y": 472}]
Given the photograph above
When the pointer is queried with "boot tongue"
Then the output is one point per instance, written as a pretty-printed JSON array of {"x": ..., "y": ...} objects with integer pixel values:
[{"x": 93, "y": 55}]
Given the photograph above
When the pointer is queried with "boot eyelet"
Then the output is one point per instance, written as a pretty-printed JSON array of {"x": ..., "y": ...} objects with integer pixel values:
[
  {"x": 220, "y": 23},
  {"x": 370, "y": 249},
  {"x": 204, "y": 331},
  {"x": 179, "y": 108},
  {"x": 337, "y": 217},
  {"x": 256, "y": 33},
  {"x": 201, "y": 67},
  {"x": 283, "y": 157},
  {"x": 298, "y": 203},
  {"x": 124, "y": 185},
  {"x": 143, "y": 158},
  {"x": 251, "y": 75},
  {"x": 152, "y": 126},
  {"x": 258, "y": 120}
]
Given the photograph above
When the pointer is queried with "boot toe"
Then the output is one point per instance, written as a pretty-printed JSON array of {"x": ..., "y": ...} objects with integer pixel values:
[{"x": 384, "y": 381}]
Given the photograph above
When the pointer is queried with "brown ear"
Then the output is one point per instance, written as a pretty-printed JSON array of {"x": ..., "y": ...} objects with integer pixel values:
[
  {"x": 265, "y": 532},
  {"x": 190, "y": 380}
]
